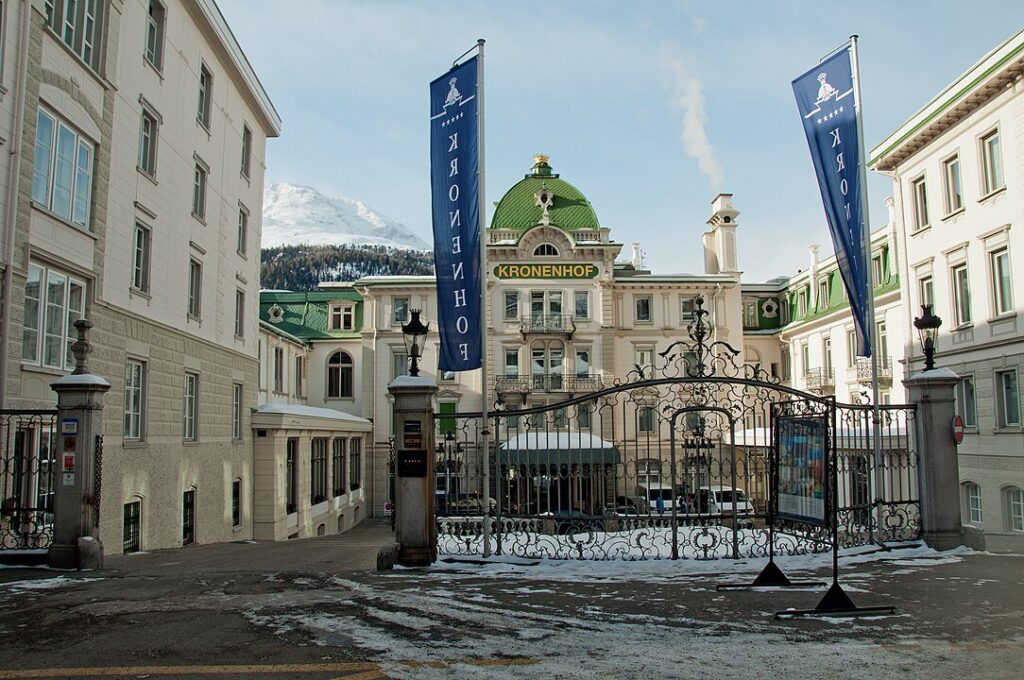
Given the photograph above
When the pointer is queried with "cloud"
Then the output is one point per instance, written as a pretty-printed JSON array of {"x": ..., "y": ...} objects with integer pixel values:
[{"x": 688, "y": 97}]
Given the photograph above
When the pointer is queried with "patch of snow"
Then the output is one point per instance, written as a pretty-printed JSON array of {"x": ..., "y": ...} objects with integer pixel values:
[{"x": 47, "y": 583}]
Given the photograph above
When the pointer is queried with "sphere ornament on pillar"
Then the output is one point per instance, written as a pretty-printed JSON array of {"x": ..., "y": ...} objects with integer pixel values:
[
  {"x": 414, "y": 333},
  {"x": 927, "y": 326}
]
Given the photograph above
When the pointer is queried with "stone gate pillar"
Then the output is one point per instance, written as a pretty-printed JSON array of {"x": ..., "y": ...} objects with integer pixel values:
[
  {"x": 415, "y": 528},
  {"x": 938, "y": 472},
  {"x": 75, "y": 500}
]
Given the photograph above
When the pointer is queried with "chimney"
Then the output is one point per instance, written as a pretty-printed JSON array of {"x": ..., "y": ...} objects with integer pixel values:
[
  {"x": 722, "y": 239},
  {"x": 637, "y": 261},
  {"x": 812, "y": 271}
]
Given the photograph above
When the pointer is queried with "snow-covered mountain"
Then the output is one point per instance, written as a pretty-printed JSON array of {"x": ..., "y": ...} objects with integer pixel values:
[{"x": 295, "y": 214}]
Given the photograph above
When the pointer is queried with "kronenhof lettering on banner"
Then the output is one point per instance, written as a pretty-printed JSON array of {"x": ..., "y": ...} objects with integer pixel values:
[
  {"x": 454, "y": 182},
  {"x": 826, "y": 96},
  {"x": 802, "y": 459}
]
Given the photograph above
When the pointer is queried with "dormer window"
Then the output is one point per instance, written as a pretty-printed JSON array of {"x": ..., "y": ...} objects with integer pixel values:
[{"x": 545, "y": 250}]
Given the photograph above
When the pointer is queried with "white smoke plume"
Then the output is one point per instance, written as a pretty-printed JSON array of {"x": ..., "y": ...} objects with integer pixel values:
[{"x": 688, "y": 97}]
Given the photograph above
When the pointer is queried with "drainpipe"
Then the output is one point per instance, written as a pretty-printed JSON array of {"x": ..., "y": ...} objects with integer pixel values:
[{"x": 14, "y": 170}]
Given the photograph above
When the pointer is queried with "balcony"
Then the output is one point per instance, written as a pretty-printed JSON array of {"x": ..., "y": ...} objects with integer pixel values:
[
  {"x": 821, "y": 380},
  {"x": 861, "y": 373},
  {"x": 562, "y": 325},
  {"x": 506, "y": 384}
]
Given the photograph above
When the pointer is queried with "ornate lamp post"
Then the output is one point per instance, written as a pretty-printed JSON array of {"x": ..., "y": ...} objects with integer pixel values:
[
  {"x": 927, "y": 326},
  {"x": 414, "y": 333}
]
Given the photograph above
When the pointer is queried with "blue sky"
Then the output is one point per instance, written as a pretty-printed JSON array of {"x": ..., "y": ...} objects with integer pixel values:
[{"x": 650, "y": 108}]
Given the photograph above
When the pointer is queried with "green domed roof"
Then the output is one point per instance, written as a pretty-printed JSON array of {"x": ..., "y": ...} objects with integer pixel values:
[{"x": 519, "y": 208}]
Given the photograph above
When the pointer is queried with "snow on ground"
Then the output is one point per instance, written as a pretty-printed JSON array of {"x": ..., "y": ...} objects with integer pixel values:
[{"x": 46, "y": 583}]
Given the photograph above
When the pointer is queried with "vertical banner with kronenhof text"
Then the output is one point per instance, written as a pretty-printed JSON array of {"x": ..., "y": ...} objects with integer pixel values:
[
  {"x": 825, "y": 96},
  {"x": 454, "y": 182}
]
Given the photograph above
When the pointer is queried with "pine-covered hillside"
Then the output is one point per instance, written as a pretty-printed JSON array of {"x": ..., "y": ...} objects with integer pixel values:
[{"x": 303, "y": 267}]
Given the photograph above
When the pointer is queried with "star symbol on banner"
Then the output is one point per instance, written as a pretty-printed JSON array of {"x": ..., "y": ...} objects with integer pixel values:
[{"x": 451, "y": 120}]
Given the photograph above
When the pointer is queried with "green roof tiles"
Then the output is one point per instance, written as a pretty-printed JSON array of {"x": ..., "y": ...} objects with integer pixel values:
[
  {"x": 518, "y": 208},
  {"x": 305, "y": 315}
]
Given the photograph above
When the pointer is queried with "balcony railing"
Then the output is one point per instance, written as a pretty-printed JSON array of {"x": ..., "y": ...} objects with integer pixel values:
[
  {"x": 822, "y": 379},
  {"x": 861, "y": 373},
  {"x": 547, "y": 383},
  {"x": 550, "y": 324}
]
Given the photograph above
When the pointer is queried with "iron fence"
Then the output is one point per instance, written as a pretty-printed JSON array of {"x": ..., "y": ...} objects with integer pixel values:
[{"x": 28, "y": 440}]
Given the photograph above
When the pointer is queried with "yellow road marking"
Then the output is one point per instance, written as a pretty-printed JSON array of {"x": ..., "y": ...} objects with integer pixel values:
[{"x": 363, "y": 670}]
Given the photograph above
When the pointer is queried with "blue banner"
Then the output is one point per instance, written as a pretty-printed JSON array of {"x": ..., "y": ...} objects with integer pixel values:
[
  {"x": 825, "y": 98},
  {"x": 454, "y": 165}
]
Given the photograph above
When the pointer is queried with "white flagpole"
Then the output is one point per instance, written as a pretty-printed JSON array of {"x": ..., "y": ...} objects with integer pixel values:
[
  {"x": 872, "y": 326},
  {"x": 481, "y": 220}
]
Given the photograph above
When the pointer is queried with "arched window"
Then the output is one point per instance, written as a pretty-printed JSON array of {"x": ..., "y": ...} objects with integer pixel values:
[
  {"x": 1014, "y": 499},
  {"x": 545, "y": 250},
  {"x": 972, "y": 503},
  {"x": 339, "y": 375}
]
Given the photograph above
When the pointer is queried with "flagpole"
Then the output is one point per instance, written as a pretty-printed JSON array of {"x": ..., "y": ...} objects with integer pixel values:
[
  {"x": 872, "y": 325},
  {"x": 482, "y": 219}
]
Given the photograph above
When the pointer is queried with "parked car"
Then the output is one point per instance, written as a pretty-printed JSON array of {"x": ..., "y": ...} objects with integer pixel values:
[
  {"x": 573, "y": 521},
  {"x": 718, "y": 501},
  {"x": 461, "y": 503}
]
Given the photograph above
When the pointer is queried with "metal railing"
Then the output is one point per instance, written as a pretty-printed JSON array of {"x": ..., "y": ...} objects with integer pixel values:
[
  {"x": 820, "y": 379},
  {"x": 548, "y": 323},
  {"x": 548, "y": 383},
  {"x": 861, "y": 372}
]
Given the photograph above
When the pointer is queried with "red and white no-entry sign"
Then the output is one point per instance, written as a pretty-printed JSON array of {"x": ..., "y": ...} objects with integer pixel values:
[{"x": 958, "y": 429}]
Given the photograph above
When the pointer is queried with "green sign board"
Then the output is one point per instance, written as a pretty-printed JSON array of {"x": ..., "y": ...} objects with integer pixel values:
[{"x": 545, "y": 271}]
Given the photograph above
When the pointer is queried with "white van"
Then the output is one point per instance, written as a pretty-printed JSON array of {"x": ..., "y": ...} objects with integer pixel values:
[
  {"x": 719, "y": 500},
  {"x": 652, "y": 491}
]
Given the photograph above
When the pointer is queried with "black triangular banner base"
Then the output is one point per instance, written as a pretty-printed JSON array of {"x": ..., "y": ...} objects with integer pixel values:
[
  {"x": 835, "y": 599},
  {"x": 835, "y": 603},
  {"x": 771, "y": 575}
]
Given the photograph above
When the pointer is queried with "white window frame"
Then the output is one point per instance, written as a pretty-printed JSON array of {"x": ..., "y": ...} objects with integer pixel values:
[
  {"x": 278, "y": 369},
  {"x": 239, "y": 313},
  {"x": 190, "y": 408},
  {"x": 851, "y": 348},
  {"x": 577, "y": 297},
  {"x": 966, "y": 401},
  {"x": 142, "y": 248},
  {"x": 1000, "y": 281},
  {"x": 236, "y": 411},
  {"x": 246, "y": 151},
  {"x": 961, "y": 286},
  {"x": 204, "y": 106},
  {"x": 47, "y": 330},
  {"x": 925, "y": 290},
  {"x": 398, "y": 304},
  {"x": 149, "y": 139},
  {"x": 156, "y": 23},
  {"x": 1013, "y": 497},
  {"x": 919, "y": 203},
  {"x": 300, "y": 375},
  {"x": 972, "y": 503},
  {"x": 1007, "y": 398},
  {"x": 801, "y": 302},
  {"x": 511, "y": 366},
  {"x": 242, "y": 237},
  {"x": 953, "y": 187},
  {"x": 823, "y": 293},
  {"x": 53, "y": 152},
  {"x": 194, "y": 302},
  {"x": 638, "y": 317},
  {"x": 135, "y": 400},
  {"x": 200, "y": 181},
  {"x": 345, "y": 381},
  {"x": 77, "y": 23},
  {"x": 991, "y": 171},
  {"x": 687, "y": 308},
  {"x": 511, "y": 305},
  {"x": 877, "y": 270}
]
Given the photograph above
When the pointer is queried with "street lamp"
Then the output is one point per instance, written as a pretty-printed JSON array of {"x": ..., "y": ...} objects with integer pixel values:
[
  {"x": 927, "y": 326},
  {"x": 414, "y": 334}
]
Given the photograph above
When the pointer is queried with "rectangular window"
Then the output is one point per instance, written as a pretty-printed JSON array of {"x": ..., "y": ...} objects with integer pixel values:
[
  {"x": 300, "y": 376},
  {"x": 805, "y": 357},
  {"x": 132, "y": 531},
  {"x": 318, "y": 471},
  {"x": 1009, "y": 398},
  {"x": 278, "y": 370},
  {"x": 877, "y": 271},
  {"x": 686, "y": 307},
  {"x": 291, "y": 458},
  {"x": 511, "y": 362},
  {"x": 951, "y": 181},
  {"x": 642, "y": 304},
  {"x": 645, "y": 419},
  {"x": 134, "y": 399},
  {"x": 246, "y": 151},
  {"x": 149, "y": 127},
  {"x": 190, "y": 408},
  {"x": 399, "y": 363},
  {"x": 924, "y": 290},
  {"x": 961, "y": 296},
  {"x": 511, "y": 305},
  {"x": 53, "y": 302},
  {"x": 400, "y": 309},
  {"x": 882, "y": 344},
  {"x": 584, "y": 415},
  {"x": 355, "y": 464},
  {"x": 236, "y": 503},
  {"x": 966, "y": 403},
  {"x": 582, "y": 300},
  {"x": 239, "y": 313},
  {"x": 77, "y": 24},
  {"x": 643, "y": 358},
  {"x": 205, "y": 96},
  {"x": 749, "y": 314},
  {"x": 801, "y": 302},
  {"x": 62, "y": 172},
  {"x": 188, "y": 517},
  {"x": 242, "y": 245},
  {"x": 338, "y": 467},
  {"x": 851, "y": 349},
  {"x": 919, "y": 194},
  {"x": 826, "y": 353},
  {"x": 991, "y": 163},
  {"x": 335, "y": 317},
  {"x": 195, "y": 288},
  {"x": 1015, "y": 509},
  {"x": 823, "y": 294},
  {"x": 236, "y": 411},
  {"x": 1002, "y": 290},
  {"x": 583, "y": 362},
  {"x": 973, "y": 498},
  {"x": 141, "y": 258},
  {"x": 155, "y": 23},
  {"x": 348, "y": 318},
  {"x": 199, "y": 177}
]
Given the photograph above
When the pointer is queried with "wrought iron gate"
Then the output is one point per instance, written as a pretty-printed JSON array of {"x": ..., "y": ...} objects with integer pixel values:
[
  {"x": 27, "y": 476},
  {"x": 669, "y": 462}
]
